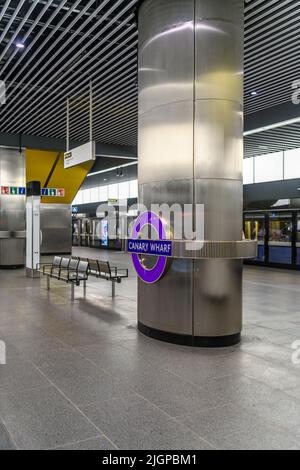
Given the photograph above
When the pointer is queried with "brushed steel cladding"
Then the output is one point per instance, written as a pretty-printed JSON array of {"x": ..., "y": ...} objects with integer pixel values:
[
  {"x": 190, "y": 151},
  {"x": 168, "y": 304},
  {"x": 223, "y": 204},
  {"x": 56, "y": 228},
  {"x": 166, "y": 142},
  {"x": 219, "y": 50},
  {"x": 218, "y": 161},
  {"x": 219, "y": 72},
  {"x": 172, "y": 193},
  {"x": 12, "y": 252},
  {"x": 166, "y": 34},
  {"x": 227, "y": 10},
  {"x": 218, "y": 139},
  {"x": 217, "y": 297},
  {"x": 12, "y": 208},
  {"x": 11, "y": 216},
  {"x": 166, "y": 192},
  {"x": 157, "y": 17}
]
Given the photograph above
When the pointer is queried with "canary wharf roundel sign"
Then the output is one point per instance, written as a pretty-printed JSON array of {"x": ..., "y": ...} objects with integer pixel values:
[{"x": 160, "y": 249}]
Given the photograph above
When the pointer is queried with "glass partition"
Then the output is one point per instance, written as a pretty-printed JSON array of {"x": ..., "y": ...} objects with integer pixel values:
[
  {"x": 255, "y": 229},
  {"x": 280, "y": 238}
]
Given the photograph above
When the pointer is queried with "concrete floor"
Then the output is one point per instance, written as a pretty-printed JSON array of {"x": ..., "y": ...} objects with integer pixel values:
[{"x": 79, "y": 376}]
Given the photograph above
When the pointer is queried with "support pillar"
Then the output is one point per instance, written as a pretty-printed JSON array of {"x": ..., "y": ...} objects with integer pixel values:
[
  {"x": 33, "y": 232},
  {"x": 191, "y": 151},
  {"x": 12, "y": 207}
]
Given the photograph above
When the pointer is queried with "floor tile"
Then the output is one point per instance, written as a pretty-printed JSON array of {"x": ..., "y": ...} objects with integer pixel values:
[
  {"x": 171, "y": 393},
  {"x": 137, "y": 424},
  {"x": 263, "y": 438},
  {"x": 240, "y": 390},
  {"x": 66, "y": 359},
  {"x": 43, "y": 418},
  {"x": 19, "y": 373},
  {"x": 62, "y": 364},
  {"x": 6, "y": 442},
  {"x": 98, "y": 443},
  {"x": 280, "y": 410},
  {"x": 83, "y": 391},
  {"x": 215, "y": 424},
  {"x": 294, "y": 392}
]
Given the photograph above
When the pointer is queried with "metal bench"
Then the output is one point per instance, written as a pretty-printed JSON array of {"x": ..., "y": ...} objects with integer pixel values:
[
  {"x": 70, "y": 271},
  {"x": 47, "y": 268},
  {"x": 103, "y": 270},
  {"x": 65, "y": 265},
  {"x": 76, "y": 270}
]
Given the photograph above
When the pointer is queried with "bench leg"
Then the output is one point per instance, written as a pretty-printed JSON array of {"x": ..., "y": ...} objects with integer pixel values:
[
  {"x": 72, "y": 292},
  {"x": 84, "y": 289},
  {"x": 113, "y": 289},
  {"x": 48, "y": 282}
]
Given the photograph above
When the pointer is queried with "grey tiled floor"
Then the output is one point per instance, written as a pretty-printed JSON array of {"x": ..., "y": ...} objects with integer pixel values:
[{"x": 80, "y": 376}]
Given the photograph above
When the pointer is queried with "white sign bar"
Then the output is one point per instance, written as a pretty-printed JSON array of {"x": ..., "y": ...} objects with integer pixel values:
[{"x": 82, "y": 154}]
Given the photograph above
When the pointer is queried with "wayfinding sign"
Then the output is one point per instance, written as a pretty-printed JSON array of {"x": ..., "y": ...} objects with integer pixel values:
[{"x": 82, "y": 154}]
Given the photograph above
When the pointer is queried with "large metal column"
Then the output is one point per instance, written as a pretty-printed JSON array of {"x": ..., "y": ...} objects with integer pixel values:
[
  {"x": 12, "y": 208},
  {"x": 190, "y": 151}
]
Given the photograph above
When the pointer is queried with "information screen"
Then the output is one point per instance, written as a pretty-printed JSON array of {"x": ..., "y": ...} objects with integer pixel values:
[{"x": 104, "y": 233}]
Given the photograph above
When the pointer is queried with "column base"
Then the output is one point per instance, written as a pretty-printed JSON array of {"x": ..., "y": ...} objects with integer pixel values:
[
  {"x": 33, "y": 273},
  {"x": 187, "y": 340}
]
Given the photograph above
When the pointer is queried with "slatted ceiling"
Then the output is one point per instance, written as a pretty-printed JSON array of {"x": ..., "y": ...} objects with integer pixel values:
[
  {"x": 272, "y": 45},
  {"x": 104, "y": 40},
  {"x": 282, "y": 138},
  {"x": 41, "y": 96},
  {"x": 68, "y": 43}
]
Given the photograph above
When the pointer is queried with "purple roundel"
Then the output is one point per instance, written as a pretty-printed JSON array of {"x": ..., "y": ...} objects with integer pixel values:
[{"x": 149, "y": 276}]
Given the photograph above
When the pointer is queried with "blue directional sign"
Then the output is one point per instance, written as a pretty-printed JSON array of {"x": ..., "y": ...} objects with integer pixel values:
[
  {"x": 22, "y": 191},
  {"x": 150, "y": 247},
  {"x": 45, "y": 192}
]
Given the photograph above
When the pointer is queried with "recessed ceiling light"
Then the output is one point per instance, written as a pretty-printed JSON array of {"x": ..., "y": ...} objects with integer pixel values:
[
  {"x": 253, "y": 93},
  {"x": 19, "y": 45},
  {"x": 273, "y": 126},
  {"x": 112, "y": 169}
]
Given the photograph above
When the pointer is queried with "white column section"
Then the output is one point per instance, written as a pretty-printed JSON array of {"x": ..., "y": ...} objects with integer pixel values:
[{"x": 33, "y": 237}]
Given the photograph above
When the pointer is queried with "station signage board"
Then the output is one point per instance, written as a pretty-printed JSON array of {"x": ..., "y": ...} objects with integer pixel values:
[
  {"x": 13, "y": 191},
  {"x": 21, "y": 191},
  {"x": 111, "y": 201},
  {"x": 161, "y": 248},
  {"x": 53, "y": 192},
  {"x": 79, "y": 155},
  {"x": 150, "y": 247},
  {"x": 5, "y": 190}
]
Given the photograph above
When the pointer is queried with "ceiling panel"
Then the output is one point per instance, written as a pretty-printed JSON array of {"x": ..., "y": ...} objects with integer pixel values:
[
  {"x": 281, "y": 138},
  {"x": 67, "y": 44}
]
